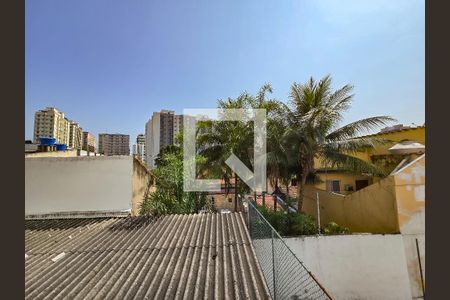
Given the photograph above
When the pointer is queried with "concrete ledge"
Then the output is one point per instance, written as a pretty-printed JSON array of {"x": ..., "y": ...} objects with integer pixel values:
[{"x": 78, "y": 214}]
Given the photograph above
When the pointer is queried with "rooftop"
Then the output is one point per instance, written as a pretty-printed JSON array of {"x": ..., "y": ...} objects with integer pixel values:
[
  {"x": 175, "y": 256},
  {"x": 393, "y": 129}
]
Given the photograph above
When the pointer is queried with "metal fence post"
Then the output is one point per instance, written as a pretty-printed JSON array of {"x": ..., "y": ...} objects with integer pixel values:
[
  {"x": 420, "y": 268},
  {"x": 274, "y": 269},
  {"x": 249, "y": 223}
]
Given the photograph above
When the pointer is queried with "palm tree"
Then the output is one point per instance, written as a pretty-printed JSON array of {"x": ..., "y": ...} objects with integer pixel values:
[
  {"x": 235, "y": 137},
  {"x": 312, "y": 117},
  {"x": 280, "y": 163},
  {"x": 271, "y": 106},
  {"x": 224, "y": 138}
]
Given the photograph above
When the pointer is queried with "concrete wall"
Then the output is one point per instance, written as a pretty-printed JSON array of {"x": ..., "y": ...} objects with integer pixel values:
[
  {"x": 221, "y": 201},
  {"x": 75, "y": 184},
  {"x": 356, "y": 266},
  {"x": 372, "y": 209},
  {"x": 142, "y": 184},
  {"x": 394, "y": 204},
  {"x": 66, "y": 153},
  {"x": 410, "y": 193}
]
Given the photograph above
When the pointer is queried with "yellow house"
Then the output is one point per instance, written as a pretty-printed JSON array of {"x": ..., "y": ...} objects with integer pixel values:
[
  {"x": 406, "y": 144},
  {"x": 395, "y": 204}
]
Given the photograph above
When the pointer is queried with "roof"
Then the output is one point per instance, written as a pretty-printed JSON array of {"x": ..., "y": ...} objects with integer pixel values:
[
  {"x": 394, "y": 130},
  {"x": 406, "y": 147},
  {"x": 175, "y": 256}
]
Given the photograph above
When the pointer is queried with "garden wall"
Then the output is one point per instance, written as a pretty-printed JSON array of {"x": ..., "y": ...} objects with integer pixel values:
[{"x": 359, "y": 266}]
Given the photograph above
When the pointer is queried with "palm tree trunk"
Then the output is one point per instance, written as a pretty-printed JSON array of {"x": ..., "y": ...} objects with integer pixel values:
[
  {"x": 301, "y": 181},
  {"x": 275, "y": 196}
]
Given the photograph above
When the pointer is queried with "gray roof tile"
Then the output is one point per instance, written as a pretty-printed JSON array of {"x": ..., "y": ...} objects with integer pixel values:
[{"x": 172, "y": 257}]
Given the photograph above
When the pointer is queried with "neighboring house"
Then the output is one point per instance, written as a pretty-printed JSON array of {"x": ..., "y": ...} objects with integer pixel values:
[
  {"x": 395, "y": 204},
  {"x": 198, "y": 256},
  {"x": 407, "y": 144}
]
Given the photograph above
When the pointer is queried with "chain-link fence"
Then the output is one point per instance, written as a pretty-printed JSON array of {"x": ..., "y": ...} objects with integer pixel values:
[{"x": 285, "y": 274}]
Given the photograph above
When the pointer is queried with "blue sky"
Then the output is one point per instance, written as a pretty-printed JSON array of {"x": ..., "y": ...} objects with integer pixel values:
[{"x": 109, "y": 64}]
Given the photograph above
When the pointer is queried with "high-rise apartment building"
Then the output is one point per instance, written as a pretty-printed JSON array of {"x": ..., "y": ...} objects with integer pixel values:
[
  {"x": 75, "y": 135},
  {"x": 161, "y": 131},
  {"x": 113, "y": 144},
  {"x": 140, "y": 139},
  {"x": 139, "y": 147},
  {"x": 177, "y": 124},
  {"x": 88, "y": 142},
  {"x": 50, "y": 122}
]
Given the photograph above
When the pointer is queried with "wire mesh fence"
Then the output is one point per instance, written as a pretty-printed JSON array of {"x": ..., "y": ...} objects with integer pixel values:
[{"x": 285, "y": 274}]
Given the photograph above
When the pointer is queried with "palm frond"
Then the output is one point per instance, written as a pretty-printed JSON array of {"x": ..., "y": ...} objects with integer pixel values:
[
  {"x": 262, "y": 93},
  {"x": 350, "y": 163},
  {"x": 359, "y": 127},
  {"x": 356, "y": 144}
]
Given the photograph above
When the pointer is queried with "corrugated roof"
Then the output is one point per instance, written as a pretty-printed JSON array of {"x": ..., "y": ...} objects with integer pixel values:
[{"x": 172, "y": 257}]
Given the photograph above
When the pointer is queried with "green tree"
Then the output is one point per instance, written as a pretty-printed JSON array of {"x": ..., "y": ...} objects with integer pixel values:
[
  {"x": 219, "y": 139},
  {"x": 169, "y": 197},
  {"x": 226, "y": 137},
  {"x": 312, "y": 119}
]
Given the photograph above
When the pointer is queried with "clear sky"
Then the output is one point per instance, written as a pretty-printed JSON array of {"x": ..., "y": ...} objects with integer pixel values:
[{"x": 109, "y": 64}]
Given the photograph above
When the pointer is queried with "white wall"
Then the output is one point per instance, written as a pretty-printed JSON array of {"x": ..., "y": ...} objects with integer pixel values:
[
  {"x": 152, "y": 135},
  {"x": 69, "y": 184},
  {"x": 356, "y": 266}
]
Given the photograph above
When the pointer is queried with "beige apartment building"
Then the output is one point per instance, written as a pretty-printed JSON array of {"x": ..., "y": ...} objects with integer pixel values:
[
  {"x": 177, "y": 125},
  {"x": 113, "y": 144},
  {"x": 139, "y": 147},
  {"x": 75, "y": 135},
  {"x": 161, "y": 131},
  {"x": 88, "y": 142},
  {"x": 50, "y": 122}
]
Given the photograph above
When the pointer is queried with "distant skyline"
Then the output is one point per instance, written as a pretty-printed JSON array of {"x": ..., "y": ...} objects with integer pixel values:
[{"x": 109, "y": 65}]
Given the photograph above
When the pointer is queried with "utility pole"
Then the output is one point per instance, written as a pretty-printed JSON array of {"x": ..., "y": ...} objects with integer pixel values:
[{"x": 318, "y": 210}]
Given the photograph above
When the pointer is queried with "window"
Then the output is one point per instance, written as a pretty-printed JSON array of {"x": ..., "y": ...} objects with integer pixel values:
[
  {"x": 360, "y": 184},
  {"x": 333, "y": 186}
]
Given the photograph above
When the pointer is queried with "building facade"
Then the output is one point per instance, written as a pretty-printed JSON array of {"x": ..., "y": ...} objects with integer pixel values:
[
  {"x": 51, "y": 122},
  {"x": 177, "y": 124},
  {"x": 113, "y": 144},
  {"x": 139, "y": 147},
  {"x": 159, "y": 132},
  {"x": 88, "y": 142},
  {"x": 383, "y": 156},
  {"x": 75, "y": 135}
]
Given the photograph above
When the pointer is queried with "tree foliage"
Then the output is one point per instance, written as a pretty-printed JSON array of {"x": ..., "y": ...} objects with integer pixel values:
[
  {"x": 312, "y": 121},
  {"x": 169, "y": 197},
  {"x": 300, "y": 132}
]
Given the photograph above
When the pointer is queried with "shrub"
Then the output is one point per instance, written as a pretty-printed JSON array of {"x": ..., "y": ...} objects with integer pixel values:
[
  {"x": 288, "y": 223},
  {"x": 333, "y": 228},
  {"x": 292, "y": 224},
  {"x": 304, "y": 224}
]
